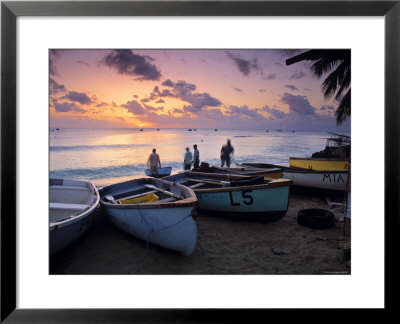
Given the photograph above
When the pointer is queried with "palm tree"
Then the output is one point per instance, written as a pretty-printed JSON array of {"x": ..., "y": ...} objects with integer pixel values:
[{"x": 338, "y": 63}]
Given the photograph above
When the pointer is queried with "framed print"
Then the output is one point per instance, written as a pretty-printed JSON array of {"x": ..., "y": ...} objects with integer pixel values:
[{"x": 95, "y": 45}]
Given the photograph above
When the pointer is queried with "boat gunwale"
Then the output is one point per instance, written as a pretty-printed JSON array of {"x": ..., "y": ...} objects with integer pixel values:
[
  {"x": 189, "y": 201},
  {"x": 300, "y": 170},
  {"x": 250, "y": 172},
  {"x": 320, "y": 159},
  {"x": 223, "y": 176},
  {"x": 78, "y": 215},
  {"x": 269, "y": 185}
]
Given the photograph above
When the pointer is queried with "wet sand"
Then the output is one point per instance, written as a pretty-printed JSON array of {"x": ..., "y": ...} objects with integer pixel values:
[{"x": 224, "y": 247}]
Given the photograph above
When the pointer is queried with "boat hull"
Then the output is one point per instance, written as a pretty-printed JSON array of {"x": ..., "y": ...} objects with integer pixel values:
[
  {"x": 172, "y": 228},
  {"x": 268, "y": 201},
  {"x": 60, "y": 237},
  {"x": 326, "y": 180},
  {"x": 166, "y": 223},
  {"x": 319, "y": 164},
  {"x": 71, "y": 208},
  {"x": 266, "y": 204}
]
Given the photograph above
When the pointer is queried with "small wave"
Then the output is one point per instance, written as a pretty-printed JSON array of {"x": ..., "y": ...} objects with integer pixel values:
[
  {"x": 244, "y": 136},
  {"x": 94, "y": 147},
  {"x": 98, "y": 173}
]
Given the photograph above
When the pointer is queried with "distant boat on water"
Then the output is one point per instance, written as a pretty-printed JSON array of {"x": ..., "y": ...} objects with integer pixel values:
[
  {"x": 158, "y": 129},
  {"x": 215, "y": 129},
  {"x": 189, "y": 129},
  {"x": 141, "y": 129},
  {"x": 162, "y": 172}
]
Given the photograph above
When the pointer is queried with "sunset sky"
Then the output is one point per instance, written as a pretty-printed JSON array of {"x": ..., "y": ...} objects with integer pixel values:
[{"x": 246, "y": 89}]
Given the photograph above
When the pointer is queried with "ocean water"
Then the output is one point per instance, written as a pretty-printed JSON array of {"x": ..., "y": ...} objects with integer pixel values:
[{"x": 106, "y": 156}]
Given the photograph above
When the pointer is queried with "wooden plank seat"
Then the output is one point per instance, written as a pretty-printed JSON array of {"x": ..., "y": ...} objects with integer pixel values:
[
  {"x": 136, "y": 196},
  {"x": 214, "y": 182},
  {"x": 54, "y": 205},
  {"x": 69, "y": 187},
  {"x": 163, "y": 191},
  {"x": 197, "y": 185},
  {"x": 163, "y": 200}
]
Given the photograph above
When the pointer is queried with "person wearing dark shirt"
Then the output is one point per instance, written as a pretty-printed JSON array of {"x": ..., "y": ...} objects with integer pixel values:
[
  {"x": 196, "y": 158},
  {"x": 226, "y": 152}
]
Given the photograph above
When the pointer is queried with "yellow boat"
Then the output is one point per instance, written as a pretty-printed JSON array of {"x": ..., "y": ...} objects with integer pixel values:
[{"x": 319, "y": 164}]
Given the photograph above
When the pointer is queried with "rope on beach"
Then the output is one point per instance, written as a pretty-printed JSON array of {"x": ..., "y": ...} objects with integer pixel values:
[{"x": 152, "y": 230}]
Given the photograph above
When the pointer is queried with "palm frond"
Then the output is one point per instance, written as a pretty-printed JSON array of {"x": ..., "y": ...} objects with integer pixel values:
[
  {"x": 339, "y": 78},
  {"x": 344, "y": 109}
]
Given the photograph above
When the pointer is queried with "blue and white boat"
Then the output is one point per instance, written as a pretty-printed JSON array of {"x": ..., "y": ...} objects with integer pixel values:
[
  {"x": 71, "y": 206},
  {"x": 237, "y": 196},
  {"x": 153, "y": 210}
]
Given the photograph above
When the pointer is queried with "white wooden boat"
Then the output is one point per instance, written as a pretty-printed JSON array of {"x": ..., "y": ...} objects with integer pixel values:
[
  {"x": 153, "y": 210},
  {"x": 327, "y": 180},
  {"x": 162, "y": 172},
  {"x": 72, "y": 204},
  {"x": 237, "y": 196}
]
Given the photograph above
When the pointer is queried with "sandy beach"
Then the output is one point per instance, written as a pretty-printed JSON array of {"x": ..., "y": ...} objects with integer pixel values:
[{"x": 224, "y": 247}]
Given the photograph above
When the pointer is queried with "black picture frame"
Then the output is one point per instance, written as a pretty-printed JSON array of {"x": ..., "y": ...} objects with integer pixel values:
[{"x": 10, "y": 10}]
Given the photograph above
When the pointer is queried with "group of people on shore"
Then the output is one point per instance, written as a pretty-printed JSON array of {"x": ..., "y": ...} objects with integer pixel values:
[{"x": 189, "y": 158}]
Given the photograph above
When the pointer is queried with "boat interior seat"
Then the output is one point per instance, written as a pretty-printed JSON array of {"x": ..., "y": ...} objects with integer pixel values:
[
  {"x": 169, "y": 199},
  {"x": 69, "y": 187},
  {"x": 54, "y": 205}
]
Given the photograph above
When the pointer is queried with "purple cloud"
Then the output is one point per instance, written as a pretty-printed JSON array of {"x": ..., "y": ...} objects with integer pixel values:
[
  {"x": 53, "y": 55},
  {"x": 66, "y": 106},
  {"x": 56, "y": 87},
  {"x": 291, "y": 87},
  {"x": 298, "y": 104},
  {"x": 271, "y": 76},
  {"x": 298, "y": 75},
  {"x": 134, "y": 107},
  {"x": 168, "y": 83},
  {"x": 126, "y": 62},
  {"x": 186, "y": 92},
  {"x": 327, "y": 108},
  {"x": 82, "y": 63},
  {"x": 80, "y": 97},
  {"x": 278, "y": 114},
  {"x": 244, "y": 111},
  {"x": 152, "y": 109},
  {"x": 244, "y": 66}
]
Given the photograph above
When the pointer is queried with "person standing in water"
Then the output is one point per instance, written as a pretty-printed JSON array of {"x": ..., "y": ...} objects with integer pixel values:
[
  {"x": 154, "y": 162},
  {"x": 187, "y": 160},
  {"x": 196, "y": 158},
  {"x": 226, "y": 152}
]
